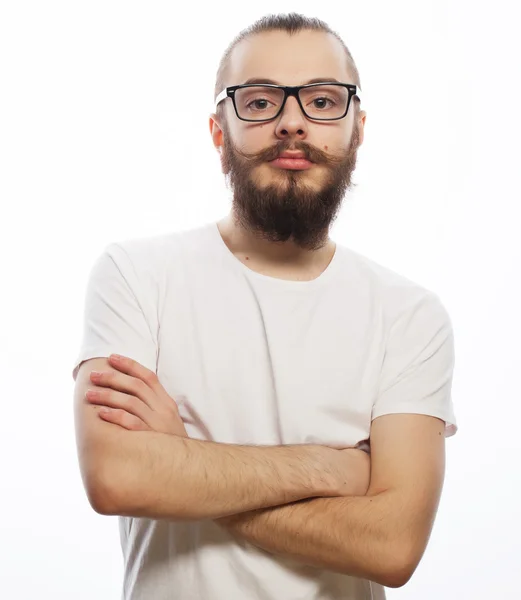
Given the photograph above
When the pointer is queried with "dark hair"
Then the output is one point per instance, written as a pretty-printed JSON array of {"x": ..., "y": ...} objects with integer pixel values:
[{"x": 291, "y": 23}]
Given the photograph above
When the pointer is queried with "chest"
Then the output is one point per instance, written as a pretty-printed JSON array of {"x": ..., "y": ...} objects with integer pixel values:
[{"x": 286, "y": 370}]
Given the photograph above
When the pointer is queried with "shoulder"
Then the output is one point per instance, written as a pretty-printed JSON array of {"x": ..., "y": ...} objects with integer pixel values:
[
  {"x": 395, "y": 293},
  {"x": 156, "y": 252}
]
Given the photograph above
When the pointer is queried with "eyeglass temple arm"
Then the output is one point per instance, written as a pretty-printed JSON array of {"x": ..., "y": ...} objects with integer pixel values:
[{"x": 220, "y": 98}]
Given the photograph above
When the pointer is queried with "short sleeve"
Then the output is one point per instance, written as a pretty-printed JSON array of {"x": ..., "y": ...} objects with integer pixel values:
[
  {"x": 115, "y": 316},
  {"x": 418, "y": 365}
]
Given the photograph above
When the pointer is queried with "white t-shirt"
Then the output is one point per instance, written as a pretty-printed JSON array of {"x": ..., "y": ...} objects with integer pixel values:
[{"x": 253, "y": 359}]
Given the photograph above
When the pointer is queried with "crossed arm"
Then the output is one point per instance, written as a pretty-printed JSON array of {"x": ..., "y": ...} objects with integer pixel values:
[
  {"x": 287, "y": 500},
  {"x": 380, "y": 536}
]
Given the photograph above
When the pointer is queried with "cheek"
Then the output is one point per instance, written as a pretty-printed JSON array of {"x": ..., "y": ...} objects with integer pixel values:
[{"x": 258, "y": 139}]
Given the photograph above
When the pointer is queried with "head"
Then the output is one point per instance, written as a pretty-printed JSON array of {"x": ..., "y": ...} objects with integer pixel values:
[{"x": 271, "y": 202}]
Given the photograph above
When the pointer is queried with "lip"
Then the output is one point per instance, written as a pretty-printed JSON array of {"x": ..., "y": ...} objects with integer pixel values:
[
  {"x": 292, "y": 154},
  {"x": 291, "y": 163}
]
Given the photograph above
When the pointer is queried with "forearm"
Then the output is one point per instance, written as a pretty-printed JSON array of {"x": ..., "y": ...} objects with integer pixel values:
[
  {"x": 350, "y": 535},
  {"x": 155, "y": 475}
]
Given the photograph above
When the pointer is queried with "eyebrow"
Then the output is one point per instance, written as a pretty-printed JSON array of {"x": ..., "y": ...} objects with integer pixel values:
[{"x": 263, "y": 80}]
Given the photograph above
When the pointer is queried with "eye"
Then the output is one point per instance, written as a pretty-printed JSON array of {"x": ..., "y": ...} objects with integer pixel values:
[
  {"x": 256, "y": 102},
  {"x": 323, "y": 99}
]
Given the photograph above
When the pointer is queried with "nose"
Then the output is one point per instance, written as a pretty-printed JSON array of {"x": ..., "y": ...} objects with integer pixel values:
[{"x": 292, "y": 121}]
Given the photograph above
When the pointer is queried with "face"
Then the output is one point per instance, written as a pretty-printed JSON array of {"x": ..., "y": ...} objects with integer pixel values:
[{"x": 269, "y": 201}]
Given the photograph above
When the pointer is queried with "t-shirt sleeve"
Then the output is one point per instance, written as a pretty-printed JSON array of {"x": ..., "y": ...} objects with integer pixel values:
[
  {"x": 115, "y": 318},
  {"x": 418, "y": 364}
]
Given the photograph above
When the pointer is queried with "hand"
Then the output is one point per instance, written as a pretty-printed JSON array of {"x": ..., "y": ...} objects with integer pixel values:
[
  {"x": 360, "y": 471},
  {"x": 135, "y": 399},
  {"x": 350, "y": 469}
]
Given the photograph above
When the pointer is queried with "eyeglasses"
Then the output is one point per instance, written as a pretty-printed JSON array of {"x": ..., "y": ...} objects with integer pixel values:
[{"x": 318, "y": 101}]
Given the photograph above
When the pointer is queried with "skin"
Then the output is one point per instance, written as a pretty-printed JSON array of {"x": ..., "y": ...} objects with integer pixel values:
[{"x": 257, "y": 229}]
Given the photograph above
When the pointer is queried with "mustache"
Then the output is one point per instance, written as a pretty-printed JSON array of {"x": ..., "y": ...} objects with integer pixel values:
[{"x": 310, "y": 153}]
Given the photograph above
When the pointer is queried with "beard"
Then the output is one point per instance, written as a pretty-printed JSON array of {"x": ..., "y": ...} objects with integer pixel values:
[{"x": 291, "y": 206}]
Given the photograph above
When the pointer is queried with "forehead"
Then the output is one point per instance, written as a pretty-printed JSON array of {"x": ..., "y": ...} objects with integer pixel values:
[{"x": 288, "y": 59}]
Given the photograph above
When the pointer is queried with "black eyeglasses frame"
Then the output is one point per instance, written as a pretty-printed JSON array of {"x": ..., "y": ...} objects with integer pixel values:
[{"x": 229, "y": 92}]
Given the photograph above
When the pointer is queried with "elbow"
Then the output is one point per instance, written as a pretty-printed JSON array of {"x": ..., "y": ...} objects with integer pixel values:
[
  {"x": 385, "y": 565},
  {"x": 102, "y": 493},
  {"x": 399, "y": 570},
  {"x": 396, "y": 578},
  {"x": 102, "y": 500}
]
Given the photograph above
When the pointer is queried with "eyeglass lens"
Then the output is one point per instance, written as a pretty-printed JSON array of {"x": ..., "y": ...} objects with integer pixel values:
[{"x": 319, "y": 102}]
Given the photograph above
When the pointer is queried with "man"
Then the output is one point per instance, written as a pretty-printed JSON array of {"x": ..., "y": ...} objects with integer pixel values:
[{"x": 260, "y": 357}]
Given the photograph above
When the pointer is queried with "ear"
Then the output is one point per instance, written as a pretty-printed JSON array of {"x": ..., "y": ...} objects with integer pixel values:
[
  {"x": 361, "y": 125},
  {"x": 216, "y": 131}
]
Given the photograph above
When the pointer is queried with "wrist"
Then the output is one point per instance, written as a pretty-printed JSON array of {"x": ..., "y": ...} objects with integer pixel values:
[
  {"x": 321, "y": 468},
  {"x": 360, "y": 471}
]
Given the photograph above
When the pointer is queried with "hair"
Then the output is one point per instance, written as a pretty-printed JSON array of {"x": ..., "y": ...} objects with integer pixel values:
[{"x": 291, "y": 23}]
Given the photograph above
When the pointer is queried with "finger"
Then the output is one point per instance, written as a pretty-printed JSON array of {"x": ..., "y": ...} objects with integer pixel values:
[
  {"x": 128, "y": 384},
  {"x": 123, "y": 419},
  {"x": 118, "y": 400},
  {"x": 133, "y": 368}
]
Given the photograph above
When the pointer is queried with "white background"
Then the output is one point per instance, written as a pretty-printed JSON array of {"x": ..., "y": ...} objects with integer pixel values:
[{"x": 104, "y": 136}]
